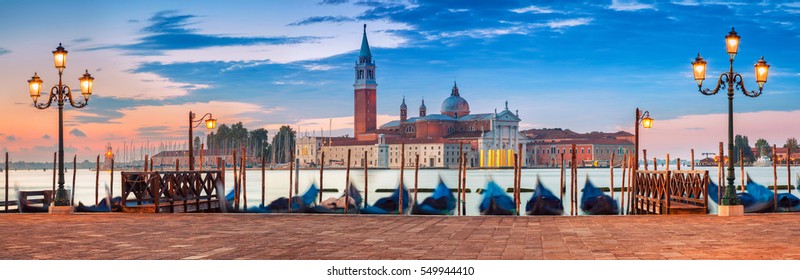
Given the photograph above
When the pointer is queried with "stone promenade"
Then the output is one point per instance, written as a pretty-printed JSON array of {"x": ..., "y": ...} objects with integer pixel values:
[{"x": 259, "y": 236}]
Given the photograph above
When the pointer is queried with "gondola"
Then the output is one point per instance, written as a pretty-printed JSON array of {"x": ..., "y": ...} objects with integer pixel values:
[
  {"x": 300, "y": 204},
  {"x": 788, "y": 202},
  {"x": 336, "y": 205},
  {"x": 441, "y": 202},
  {"x": 543, "y": 202},
  {"x": 103, "y": 206},
  {"x": 595, "y": 202},
  {"x": 496, "y": 202},
  {"x": 391, "y": 203},
  {"x": 756, "y": 199}
]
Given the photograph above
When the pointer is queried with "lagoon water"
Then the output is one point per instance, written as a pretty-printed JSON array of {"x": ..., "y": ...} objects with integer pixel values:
[{"x": 277, "y": 182}]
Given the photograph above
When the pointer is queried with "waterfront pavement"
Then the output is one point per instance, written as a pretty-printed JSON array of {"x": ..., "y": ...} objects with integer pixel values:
[{"x": 326, "y": 237}]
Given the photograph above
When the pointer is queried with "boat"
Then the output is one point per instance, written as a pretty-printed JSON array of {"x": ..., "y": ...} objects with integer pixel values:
[
  {"x": 544, "y": 202},
  {"x": 391, "y": 203},
  {"x": 104, "y": 206},
  {"x": 300, "y": 204},
  {"x": 763, "y": 161},
  {"x": 336, "y": 205},
  {"x": 496, "y": 202},
  {"x": 441, "y": 202},
  {"x": 595, "y": 202},
  {"x": 756, "y": 199}
]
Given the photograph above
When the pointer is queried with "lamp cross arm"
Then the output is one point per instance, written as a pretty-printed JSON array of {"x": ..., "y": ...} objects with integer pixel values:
[
  {"x": 68, "y": 95},
  {"x": 739, "y": 81},
  {"x": 53, "y": 96},
  {"x": 200, "y": 120},
  {"x": 721, "y": 83}
]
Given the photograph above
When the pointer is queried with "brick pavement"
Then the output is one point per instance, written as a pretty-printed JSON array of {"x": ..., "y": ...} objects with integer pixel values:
[{"x": 260, "y": 236}]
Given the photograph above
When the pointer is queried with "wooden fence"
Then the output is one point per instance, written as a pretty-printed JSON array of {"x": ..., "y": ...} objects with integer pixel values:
[
  {"x": 172, "y": 191},
  {"x": 671, "y": 192}
]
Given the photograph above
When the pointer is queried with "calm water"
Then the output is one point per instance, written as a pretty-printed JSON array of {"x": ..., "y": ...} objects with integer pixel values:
[{"x": 277, "y": 181}]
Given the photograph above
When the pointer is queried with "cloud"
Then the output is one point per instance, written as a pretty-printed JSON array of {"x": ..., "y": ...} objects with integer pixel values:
[
  {"x": 4, "y": 51},
  {"x": 333, "y": 2},
  {"x": 534, "y": 10},
  {"x": 169, "y": 30},
  {"x": 11, "y": 138},
  {"x": 629, "y": 6},
  {"x": 76, "y": 132},
  {"x": 558, "y": 24},
  {"x": 46, "y": 137},
  {"x": 319, "y": 19}
]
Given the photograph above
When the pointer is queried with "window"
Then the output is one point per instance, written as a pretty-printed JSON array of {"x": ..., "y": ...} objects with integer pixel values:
[
  {"x": 450, "y": 129},
  {"x": 471, "y": 128}
]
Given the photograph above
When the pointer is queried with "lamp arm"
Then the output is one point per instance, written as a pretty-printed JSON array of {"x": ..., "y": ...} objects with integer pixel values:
[
  {"x": 720, "y": 84},
  {"x": 739, "y": 81},
  {"x": 68, "y": 95},
  {"x": 50, "y": 99},
  {"x": 200, "y": 120}
]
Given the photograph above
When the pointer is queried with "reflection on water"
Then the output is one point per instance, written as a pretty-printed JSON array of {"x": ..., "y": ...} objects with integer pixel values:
[{"x": 277, "y": 182}]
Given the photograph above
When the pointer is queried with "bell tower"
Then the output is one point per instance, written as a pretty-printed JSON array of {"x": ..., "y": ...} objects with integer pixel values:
[{"x": 365, "y": 91}]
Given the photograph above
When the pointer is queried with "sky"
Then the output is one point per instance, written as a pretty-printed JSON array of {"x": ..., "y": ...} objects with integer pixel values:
[{"x": 584, "y": 66}]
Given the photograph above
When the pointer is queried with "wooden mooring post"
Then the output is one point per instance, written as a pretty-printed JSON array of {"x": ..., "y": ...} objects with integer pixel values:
[
  {"x": 720, "y": 166},
  {"x": 74, "y": 172},
  {"x": 574, "y": 179},
  {"x": 514, "y": 183},
  {"x": 775, "y": 178},
  {"x": 321, "y": 168},
  {"x": 54, "y": 172},
  {"x": 789, "y": 168},
  {"x": 291, "y": 173},
  {"x": 263, "y": 179},
  {"x": 562, "y": 182},
  {"x": 678, "y": 163},
  {"x": 366, "y": 178},
  {"x": 402, "y": 166},
  {"x": 236, "y": 187},
  {"x": 692, "y": 159},
  {"x": 347, "y": 184},
  {"x": 667, "y": 165},
  {"x": 416, "y": 176},
  {"x": 146, "y": 160},
  {"x": 624, "y": 166},
  {"x": 644, "y": 158},
  {"x": 244, "y": 177},
  {"x": 464, "y": 184},
  {"x": 97, "y": 181},
  {"x": 458, "y": 182},
  {"x": 611, "y": 171},
  {"x": 6, "y": 183},
  {"x": 741, "y": 166}
]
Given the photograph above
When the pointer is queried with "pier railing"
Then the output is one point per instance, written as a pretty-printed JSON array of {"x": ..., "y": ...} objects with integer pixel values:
[
  {"x": 172, "y": 191},
  {"x": 671, "y": 192}
]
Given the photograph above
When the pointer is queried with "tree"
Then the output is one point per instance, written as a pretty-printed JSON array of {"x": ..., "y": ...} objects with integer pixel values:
[
  {"x": 763, "y": 148},
  {"x": 197, "y": 143},
  {"x": 741, "y": 143},
  {"x": 792, "y": 144},
  {"x": 282, "y": 144},
  {"x": 258, "y": 140}
]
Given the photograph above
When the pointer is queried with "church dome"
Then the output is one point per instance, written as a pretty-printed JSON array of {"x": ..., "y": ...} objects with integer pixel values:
[{"x": 455, "y": 105}]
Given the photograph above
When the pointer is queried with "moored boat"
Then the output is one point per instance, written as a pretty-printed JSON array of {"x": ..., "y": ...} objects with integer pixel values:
[
  {"x": 496, "y": 202},
  {"x": 441, "y": 202},
  {"x": 391, "y": 203},
  {"x": 544, "y": 202},
  {"x": 595, "y": 202}
]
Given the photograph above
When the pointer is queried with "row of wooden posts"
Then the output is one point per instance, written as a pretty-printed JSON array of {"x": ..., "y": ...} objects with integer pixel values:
[{"x": 240, "y": 185}]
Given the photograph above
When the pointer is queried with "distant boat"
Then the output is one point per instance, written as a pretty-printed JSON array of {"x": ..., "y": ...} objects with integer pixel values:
[
  {"x": 595, "y": 202},
  {"x": 103, "y": 206},
  {"x": 543, "y": 202},
  {"x": 391, "y": 203},
  {"x": 441, "y": 202},
  {"x": 496, "y": 202},
  {"x": 336, "y": 205},
  {"x": 763, "y": 161}
]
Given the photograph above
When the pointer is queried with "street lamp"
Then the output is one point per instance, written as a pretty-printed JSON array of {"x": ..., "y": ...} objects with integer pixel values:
[
  {"x": 646, "y": 121},
  {"x": 730, "y": 80},
  {"x": 211, "y": 123},
  {"x": 61, "y": 93}
]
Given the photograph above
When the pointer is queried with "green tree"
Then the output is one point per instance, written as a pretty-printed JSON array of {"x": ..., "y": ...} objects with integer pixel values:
[
  {"x": 197, "y": 143},
  {"x": 258, "y": 141},
  {"x": 792, "y": 144},
  {"x": 740, "y": 143},
  {"x": 282, "y": 144},
  {"x": 763, "y": 148}
]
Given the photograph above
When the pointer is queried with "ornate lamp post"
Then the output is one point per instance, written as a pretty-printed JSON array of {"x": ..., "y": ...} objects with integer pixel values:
[
  {"x": 645, "y": 121},
  {"x": 60, "y": 94},
  {"x": 211, "y": 123},
  {"x": 730, "y": 80}
]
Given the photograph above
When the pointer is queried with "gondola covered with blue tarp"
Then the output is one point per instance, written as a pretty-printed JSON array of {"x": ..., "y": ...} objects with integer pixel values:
[
  {"x": 544, "y": 202},
  {"x": 391, "y": 203},
  {"x": 300, "y": 204},
  {"x": 337, "y": 205},
  {"x": 595, "y": 202},
  {"x": 442, "y": 202},
  {"x": 496, "y": 202},
  {"x": 757, "y": 199}
]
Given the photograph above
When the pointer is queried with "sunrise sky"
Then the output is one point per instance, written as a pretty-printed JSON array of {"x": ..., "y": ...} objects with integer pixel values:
[{"x": 585, "y": 66}]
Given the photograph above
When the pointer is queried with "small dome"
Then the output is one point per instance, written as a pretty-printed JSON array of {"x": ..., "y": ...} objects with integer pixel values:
[
  {"x": 422, "y": 107},
  {"x": 455, "y": 105}
]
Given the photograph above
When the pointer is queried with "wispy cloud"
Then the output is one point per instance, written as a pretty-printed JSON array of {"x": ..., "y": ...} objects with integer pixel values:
[
  {"x": 4, "y": 51},
  {"x": 46, "y": 137},
  {"x": 558, "y": 24},
  {"x": 629, "y": 6},
  {"x": 534, "y": 10},
  {"x": 11, "y": 138},
  {"x": 77, "y": 132},
  {"x": 169, "y": 30},
  {"x": 320, "y": 19},
  {"x": 333, "y": 2}
]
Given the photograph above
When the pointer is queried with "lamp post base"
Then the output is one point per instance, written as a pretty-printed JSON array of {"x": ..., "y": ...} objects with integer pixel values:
[
  {"x": 730, "y": 210},
  {"x": 61, "y": 210}
]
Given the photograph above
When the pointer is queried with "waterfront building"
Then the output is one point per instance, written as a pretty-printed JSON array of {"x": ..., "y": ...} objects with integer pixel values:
[{"x": 592, "y": 149}]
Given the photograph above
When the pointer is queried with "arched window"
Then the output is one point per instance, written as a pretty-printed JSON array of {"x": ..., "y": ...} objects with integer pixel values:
[
  {"x": 409, "y": 129},
  {"x": 450, "y": 129},
  {"x": 471, "y": 128}
]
